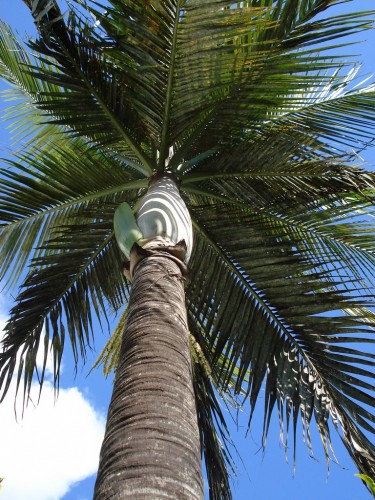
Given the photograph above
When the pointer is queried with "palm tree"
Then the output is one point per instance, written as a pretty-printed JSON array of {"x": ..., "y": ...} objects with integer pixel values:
[{"x": 222, "y": 135}]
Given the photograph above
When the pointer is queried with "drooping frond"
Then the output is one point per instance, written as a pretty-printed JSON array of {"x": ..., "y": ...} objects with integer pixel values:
[
  {"x": 61, "y": 218},
  {"x": 75, "y": 278},
  {"x": 215, "y": 438},
  {"x": 277, "y": 313}
]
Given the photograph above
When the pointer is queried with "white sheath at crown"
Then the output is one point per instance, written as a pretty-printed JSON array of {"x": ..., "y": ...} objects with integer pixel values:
[{"x": 162, "y": 212}]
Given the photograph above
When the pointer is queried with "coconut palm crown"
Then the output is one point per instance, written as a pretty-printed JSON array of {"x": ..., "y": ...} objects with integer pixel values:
[{"x": 251, "y": 111}]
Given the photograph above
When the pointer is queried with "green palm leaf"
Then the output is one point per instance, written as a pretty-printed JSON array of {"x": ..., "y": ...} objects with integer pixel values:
[
  {"x": 88, "y": 276},
  {"x": 64, "y": 179},
  {"x": 291, "y": 304}
]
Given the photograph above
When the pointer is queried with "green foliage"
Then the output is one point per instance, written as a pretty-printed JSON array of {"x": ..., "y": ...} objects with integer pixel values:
[
  {"x": 369, "y": 481},
  {"x": 249, "y": 106},
  {"x": 127, "y": 231},
  {"x": 110, "y": 353}
]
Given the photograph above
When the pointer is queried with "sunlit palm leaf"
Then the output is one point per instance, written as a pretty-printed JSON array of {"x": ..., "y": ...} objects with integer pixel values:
[
  {"x": 278, "y": 71},
  {"x": 74, "y": 65},
  {"x": 64, "y": 179},
  {"x": 26, "y": 121}
]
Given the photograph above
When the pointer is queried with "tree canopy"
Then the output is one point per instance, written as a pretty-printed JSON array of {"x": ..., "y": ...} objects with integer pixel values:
[{"x": 249, "y": 106}]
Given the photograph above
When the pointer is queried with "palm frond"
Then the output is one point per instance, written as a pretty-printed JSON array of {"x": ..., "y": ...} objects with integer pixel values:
[
  {"x": 86, "y": 277},
  {"x": 334, "y": 233},
  {"x": 271, "y": 175},
  {"x": 274, "y": 68},
  {"x": 341, "y": 119},
  {"x": 143, "y": 45},
  {"x": 27, "y": 121},
  {"x": 70, "y": 68},
  {"x": 274, "y": 315},
  {"x": 64, "y": 179}
]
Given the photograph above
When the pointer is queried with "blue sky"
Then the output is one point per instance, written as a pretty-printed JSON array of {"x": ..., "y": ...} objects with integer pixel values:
[{"x": 53, "y": 452}]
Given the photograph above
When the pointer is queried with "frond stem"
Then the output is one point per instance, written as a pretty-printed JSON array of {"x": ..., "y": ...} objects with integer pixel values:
[
  {"x": 168, "y": 103},
  {"x": 131, "y": 185}
]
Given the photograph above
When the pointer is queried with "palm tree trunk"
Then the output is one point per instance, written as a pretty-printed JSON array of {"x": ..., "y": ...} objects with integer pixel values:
[{"x": 151, "y": 447}]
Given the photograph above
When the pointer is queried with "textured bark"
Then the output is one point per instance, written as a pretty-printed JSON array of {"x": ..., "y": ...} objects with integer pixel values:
[{"x": 151, "y": 448}]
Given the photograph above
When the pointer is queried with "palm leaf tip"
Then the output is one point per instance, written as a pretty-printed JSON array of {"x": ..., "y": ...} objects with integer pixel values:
[{"x": 110, "y": 354}]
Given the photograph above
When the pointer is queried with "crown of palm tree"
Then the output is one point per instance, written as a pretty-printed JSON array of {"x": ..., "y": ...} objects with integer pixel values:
[{"x": 251, "y": 109}]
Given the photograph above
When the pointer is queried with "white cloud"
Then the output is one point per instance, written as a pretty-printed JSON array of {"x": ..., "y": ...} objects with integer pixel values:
[{"x": 53, "y": 446}]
